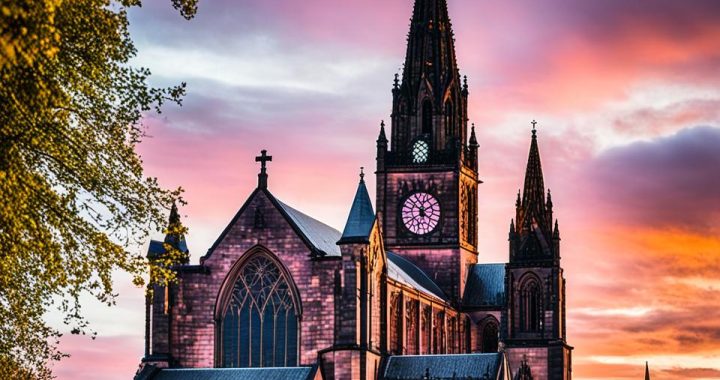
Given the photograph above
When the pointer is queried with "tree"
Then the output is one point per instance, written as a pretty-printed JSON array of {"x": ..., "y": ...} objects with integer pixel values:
[{"x": 73, "y": 196}]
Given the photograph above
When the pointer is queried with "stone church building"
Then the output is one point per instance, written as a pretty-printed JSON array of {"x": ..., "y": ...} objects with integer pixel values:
[{"x": 400, "y": 292}]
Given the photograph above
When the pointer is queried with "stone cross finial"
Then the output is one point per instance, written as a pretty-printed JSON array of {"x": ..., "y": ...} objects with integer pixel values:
[{"x": 263, "y": 158}]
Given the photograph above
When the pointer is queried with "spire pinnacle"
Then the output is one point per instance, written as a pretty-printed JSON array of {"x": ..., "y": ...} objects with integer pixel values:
[
  {"x": 473, "y": 139},
  {"x": 647, "y": 371},
  {"x": 362, "y": 174},
  {"x": 381, "y": 136},
  {"x": 549, "y": 200}
]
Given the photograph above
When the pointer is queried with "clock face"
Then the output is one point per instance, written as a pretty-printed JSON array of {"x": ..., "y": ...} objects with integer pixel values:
[
  {"x": 421, "y": 213},
  {"x": 420, "y": 151}
]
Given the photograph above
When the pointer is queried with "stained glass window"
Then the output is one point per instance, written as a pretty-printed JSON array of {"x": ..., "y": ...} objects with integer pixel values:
[
  {"x": 260, "y": 324},
  {"x": 420, "y": 151},
  {"x": 421, "y": 213}
]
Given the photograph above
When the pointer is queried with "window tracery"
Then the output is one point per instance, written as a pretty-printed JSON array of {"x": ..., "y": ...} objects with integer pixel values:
[{"x": 259, "y": 327}]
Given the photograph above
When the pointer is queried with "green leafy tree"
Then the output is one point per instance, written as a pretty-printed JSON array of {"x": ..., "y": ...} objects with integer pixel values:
[{"x": 73, "y": 196}]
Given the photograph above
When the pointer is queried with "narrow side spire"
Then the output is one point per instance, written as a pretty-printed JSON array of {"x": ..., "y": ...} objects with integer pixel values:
[
  {"x": 381, "y": 136},
  {"x": 647, "y": 371},
  {"x": 534, "y": 190}
]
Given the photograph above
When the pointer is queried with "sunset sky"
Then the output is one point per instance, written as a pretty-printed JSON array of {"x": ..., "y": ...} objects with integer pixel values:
[{"x": 627, "y": 98}]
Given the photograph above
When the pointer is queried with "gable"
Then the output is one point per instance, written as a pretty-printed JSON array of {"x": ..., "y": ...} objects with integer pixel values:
[{"x": 318, "y": 237}]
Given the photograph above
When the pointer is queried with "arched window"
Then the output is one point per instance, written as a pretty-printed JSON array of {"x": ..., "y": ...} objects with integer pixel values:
[
  {"x": 427, "y": 117},
  {"x": 259, "y": 325},
  {"x": 531, "y": 306},
  {"x": 490, "y": 336}
]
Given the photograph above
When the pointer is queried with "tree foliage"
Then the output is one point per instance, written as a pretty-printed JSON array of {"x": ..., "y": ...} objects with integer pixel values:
[{"x": 73, "y": 196}]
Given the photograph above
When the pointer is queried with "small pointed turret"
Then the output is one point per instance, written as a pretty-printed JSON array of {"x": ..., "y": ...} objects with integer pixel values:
[
  {"x": 175, "y": 236},
  {"x": 361, "y": 218},
  {"x": 647, "y": 371},
  {"x": 473, "y": 139},
  {"x": 381, "y": 136}
]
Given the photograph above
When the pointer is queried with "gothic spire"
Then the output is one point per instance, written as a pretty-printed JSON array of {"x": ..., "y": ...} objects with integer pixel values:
[
  {"x": 431, "y": 46},
  {"x": 534, "y": 190},
  {"x": 647, "y": 371},
  {"x": 430, "y": 101},
  {"x": 534, "y": 216}
]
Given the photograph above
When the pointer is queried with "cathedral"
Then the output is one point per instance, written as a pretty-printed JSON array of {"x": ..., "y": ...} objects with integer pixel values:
[{"x": 400, "y": 292}]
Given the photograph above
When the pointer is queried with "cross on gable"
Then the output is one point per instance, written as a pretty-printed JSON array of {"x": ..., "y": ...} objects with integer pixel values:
[{"x": 263, "y": 158}]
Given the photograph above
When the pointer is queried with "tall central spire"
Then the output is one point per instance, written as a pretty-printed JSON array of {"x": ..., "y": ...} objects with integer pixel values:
[
  {"x": 431, "y": 46},
  {"x": 430, "y": 102}
]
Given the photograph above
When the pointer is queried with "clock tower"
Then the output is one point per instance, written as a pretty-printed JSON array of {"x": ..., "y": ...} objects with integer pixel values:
[{"x": 427, "y": 173}]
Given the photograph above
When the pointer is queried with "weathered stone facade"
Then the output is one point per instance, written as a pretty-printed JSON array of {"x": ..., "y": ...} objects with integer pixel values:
[{"x": 281, "y": 289}]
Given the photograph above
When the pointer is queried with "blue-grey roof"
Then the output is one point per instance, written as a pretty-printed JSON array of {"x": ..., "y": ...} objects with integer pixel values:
[
  {"x": 402, "y": 270},
  {"x": 323, "y": 237},
  {"x": 485, "y": 286},
  {"x": 157, "y": 248},
  {"x": 361, "y": 217},
  {"x": 290, "y": 373},
  {"x": 464, "y": 366}
]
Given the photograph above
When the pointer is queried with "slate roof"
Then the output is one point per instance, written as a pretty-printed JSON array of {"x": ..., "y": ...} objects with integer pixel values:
[
  {"x": 463, "y": 366},
  {"x": 402, "y": 270},
  {"x": 156, "y": 248},
  {"x": 289, "y": 373},
  {"x": 361, "y": 218},
  {"x": 485, "y": 286},
  {"x": 323, "y": 237}
]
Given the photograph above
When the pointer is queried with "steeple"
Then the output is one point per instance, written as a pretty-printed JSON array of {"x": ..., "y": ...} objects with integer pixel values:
[
  {"x": 431, "y": 46},
  {"x": 534, "y": 215},
  {"x": 647, "y": 371},
  {"x": 534, "y": 210},
  {"x": 430, "y": 102},
  {"x": 361, "y": 217}
]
